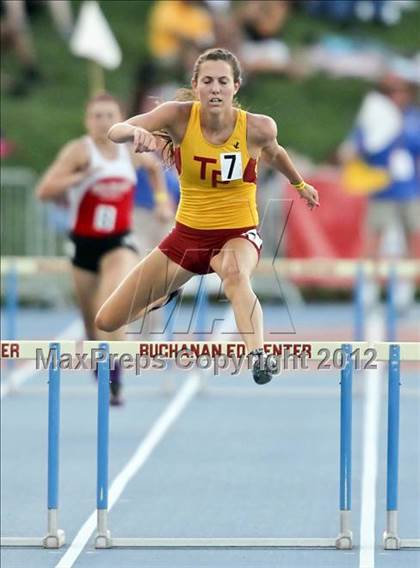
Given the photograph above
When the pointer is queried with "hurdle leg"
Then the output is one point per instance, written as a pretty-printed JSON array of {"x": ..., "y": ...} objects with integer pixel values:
[
  {"x": 358, "y": 303},
  {"x": 202, "y": 306},
  {"x": 168, "y": 383},
  {"x": 11, "y": 286},
  {"x": 55, "y": 537},
  {"x": 391, "y": 308},
  {"x": 103, "y": 535},
  {"x": 391, "y": 540},
  {"x": 345, "y": 537},
  {"x": 11, "y": 307}
]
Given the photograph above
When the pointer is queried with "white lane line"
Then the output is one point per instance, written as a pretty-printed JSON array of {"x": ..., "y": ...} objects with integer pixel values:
[
  {"x": 371, "y": 418},
  {"x": 186, "y": 393},
  {"x": 27, "y": 370},
  {"x": 89, "y": 391},
  {"x": 135, "y": 463}
]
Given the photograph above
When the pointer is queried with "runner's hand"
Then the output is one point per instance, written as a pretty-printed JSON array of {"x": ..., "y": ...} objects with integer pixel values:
[
  {"x": 164, "y": 212},
  {"x": 143, "y": 141},
  {"x": 310, "y": 195}
]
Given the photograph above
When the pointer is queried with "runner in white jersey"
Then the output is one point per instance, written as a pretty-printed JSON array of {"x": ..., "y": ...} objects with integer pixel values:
[
  {"x": 98, "y": 178},
  {"x": 101, "y": 204}
]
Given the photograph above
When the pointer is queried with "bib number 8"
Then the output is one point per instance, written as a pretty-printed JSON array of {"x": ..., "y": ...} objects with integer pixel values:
[
  {"x": 104, "y": 218},
  {"x": 231, "y": 166}
]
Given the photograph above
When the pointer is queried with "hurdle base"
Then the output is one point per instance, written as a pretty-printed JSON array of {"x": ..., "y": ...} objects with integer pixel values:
[
  {"x": 103, "y": 534},
  {"x": 105, "y": 541},
  {"x": 344, "y": 541},
  {"x": 391, "y": 541},
  {"x": 56, "y": 540}
]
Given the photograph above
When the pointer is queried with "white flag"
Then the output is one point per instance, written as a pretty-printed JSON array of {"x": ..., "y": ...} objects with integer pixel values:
[{"x": 92, "y": 37}]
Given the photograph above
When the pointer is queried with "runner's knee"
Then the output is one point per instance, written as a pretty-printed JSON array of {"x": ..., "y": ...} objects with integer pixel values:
[
  {"x": 104, "y": 320},
  {"x": 234, "y": 281}
]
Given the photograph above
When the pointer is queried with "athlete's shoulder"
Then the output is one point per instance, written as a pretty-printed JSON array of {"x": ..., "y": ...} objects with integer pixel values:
[
  {"x": 262, "y": 129},
  {"x": 175, "y": 109},
  {"x": 172, "y": 116},
  {"x": 75, "y": 150}
]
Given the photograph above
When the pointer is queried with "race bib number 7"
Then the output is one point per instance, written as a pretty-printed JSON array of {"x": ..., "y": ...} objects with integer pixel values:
[
  {"x": 231, "y": 166},
  {"x": 104, "y": 218}
]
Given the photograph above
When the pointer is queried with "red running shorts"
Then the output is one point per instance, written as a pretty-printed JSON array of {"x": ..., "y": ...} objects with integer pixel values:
[{"x": 194, "y": 248}]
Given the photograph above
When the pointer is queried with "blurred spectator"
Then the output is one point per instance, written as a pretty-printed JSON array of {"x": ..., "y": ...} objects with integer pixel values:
[
  {"x": 178, "y": 31},
  {"x": 15, "y": 33},
  {"x": 60, "y": 12},
  {"x": 337, "y": 10},
  {"x": 387, "y": 12},
  {"x": 175, "y": 23},
  {"x": 261, "y": 22},
  {"x": 226, "y": 27},
  {"x": 342, "y": 56},
  {"x": 387, "y": 137}
]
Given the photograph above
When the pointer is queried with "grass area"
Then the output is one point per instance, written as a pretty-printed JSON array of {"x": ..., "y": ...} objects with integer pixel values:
[{"x": 313, "y": 115}]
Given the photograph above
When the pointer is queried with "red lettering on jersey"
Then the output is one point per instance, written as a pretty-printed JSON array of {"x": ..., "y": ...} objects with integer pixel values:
[
  {"x": 204, "y": 161},
  {"x": 214, "y": 180}
]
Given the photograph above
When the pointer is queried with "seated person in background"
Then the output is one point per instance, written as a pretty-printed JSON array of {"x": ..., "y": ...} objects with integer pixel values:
[
  {"x": 261, "y": 23},
  {"x": 176, "y": 29},
  {"x": 16, "y": 35},
  {"x": 174, "y": 22},
  {"x": 227, "y": 30}
]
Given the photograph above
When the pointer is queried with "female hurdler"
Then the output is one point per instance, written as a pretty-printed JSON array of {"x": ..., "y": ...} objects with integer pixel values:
[{"x": 216, "y": 147}]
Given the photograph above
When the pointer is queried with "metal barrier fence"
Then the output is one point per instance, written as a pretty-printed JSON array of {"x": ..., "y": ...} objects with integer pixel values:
[{"x": 27, "y": 226}]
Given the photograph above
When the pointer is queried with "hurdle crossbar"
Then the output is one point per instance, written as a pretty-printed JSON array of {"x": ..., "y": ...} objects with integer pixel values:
[
  {"x": 287, "y": 267},
  {"x": 29, "y": 349}
]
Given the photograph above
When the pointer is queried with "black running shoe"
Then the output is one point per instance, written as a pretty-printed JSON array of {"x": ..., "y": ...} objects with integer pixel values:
[
  {"x": 260, "y": 371},
  {"x": 115, "y": 398},
  {"x": 166, "y": 301}
]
